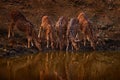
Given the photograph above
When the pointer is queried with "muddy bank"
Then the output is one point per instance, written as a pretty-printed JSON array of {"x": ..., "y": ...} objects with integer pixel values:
[{"x": 18, "y": 46}]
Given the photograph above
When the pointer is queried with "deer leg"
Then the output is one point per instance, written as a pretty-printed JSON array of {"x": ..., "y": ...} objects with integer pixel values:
[
  {"x": 91, "y": 40},
  {"x": 47, "y": 43},
  {"x": 60, "y": 45},
  {"x": 29, "y": 41},
  {"x": 52, "y": 45},
  {"x": 52, "y": 41},
  {"x": 13, "y": 33},
  {"x": 74, "y": 45},
  {"x": 84, "y": 41},
  {"x": 39, "y": 34},
  {"x": 47, "y": 37},
  {"x": 67, "y": 45},
  {"x": 10, "y": 29},
  {"x": 92, "y": 44},
  {"x": 32, "y": 43},
  {"x": 57, "y": 43}
]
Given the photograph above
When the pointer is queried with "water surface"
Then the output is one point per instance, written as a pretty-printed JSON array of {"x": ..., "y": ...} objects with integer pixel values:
[{"x": 54, "y": 65}]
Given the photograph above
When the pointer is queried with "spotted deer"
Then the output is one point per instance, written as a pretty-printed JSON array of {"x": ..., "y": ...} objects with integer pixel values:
[
  {"x": 61, "y": 29},
  {"x": 49, "y": 29},
  {"x": 87, "y": 30},
  {"x": 72, "y": 32},
  {"x": 19, "y": 22}
]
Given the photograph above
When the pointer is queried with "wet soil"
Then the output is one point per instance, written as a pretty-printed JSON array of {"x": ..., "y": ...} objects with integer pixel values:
[{"x": 16, "y": 46}]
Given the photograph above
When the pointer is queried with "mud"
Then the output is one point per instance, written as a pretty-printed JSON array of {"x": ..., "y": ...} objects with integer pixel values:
[{"x": 17, "y": 46}]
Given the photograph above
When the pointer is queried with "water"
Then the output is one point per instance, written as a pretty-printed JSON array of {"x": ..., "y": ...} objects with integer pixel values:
[{"x": 62, "y": 66}]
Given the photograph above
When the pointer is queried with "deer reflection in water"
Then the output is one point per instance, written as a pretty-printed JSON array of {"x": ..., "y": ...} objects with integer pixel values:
[
  {"x": 65, "y": 66},
  {"x": 40, "y": 64},
  {"x": 15, "y": 66}
]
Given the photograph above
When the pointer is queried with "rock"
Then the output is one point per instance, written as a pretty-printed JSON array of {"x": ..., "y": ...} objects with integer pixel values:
[{"x": 105, "y": 22}]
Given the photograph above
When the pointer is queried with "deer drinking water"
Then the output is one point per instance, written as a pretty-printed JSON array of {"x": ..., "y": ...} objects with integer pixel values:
[
  {"x": 72, "y": 32},
  {"x": 87, "y": 30},
  {"x": 61, "y": 28},
  {"x": 19, "y": 22},
  {"x": 48, "y": 28}
]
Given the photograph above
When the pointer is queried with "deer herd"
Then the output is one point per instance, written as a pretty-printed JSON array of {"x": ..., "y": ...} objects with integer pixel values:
[{"x": 61, "y": 35}]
